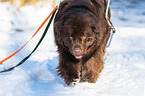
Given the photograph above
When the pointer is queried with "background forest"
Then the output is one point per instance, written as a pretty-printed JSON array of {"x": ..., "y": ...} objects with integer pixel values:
[
  {"x": 53, "y": 2},
  {"x": 29, "y": 2}
]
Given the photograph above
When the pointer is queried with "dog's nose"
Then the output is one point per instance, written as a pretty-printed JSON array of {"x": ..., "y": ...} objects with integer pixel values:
[{"x": 77, "y": 51}]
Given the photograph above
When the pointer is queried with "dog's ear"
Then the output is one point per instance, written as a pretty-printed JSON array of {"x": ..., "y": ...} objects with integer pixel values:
[{"x": 62, "y": 5}]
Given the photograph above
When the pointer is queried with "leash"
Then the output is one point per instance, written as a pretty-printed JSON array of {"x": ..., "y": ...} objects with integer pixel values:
[
  {"x": 30, "y": 38},
  {"x": 52, "y": 14},
  {"x": 112, "y": 31},
  {"x": 58, "y": 3}
]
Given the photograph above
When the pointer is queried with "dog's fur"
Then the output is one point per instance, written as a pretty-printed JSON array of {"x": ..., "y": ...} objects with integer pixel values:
[{"x": 81, "y": 33}]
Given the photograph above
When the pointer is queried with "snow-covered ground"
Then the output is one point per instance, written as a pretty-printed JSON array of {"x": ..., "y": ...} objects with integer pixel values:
[{"x": 124, "y": 69}]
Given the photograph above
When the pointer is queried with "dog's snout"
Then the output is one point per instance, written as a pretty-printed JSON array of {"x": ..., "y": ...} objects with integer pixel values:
[{"x": 77, "y": 51}]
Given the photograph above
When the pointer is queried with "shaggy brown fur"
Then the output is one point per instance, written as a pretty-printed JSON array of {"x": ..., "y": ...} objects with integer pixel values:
[{"x": 81, "y": 33}]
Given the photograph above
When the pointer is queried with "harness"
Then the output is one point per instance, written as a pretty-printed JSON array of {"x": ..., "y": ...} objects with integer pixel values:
[{"x": 112, "y": 31}]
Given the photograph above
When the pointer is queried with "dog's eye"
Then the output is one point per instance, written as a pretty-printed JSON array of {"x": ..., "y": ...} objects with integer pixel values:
[
  {"x": 71, "y": 38},
  {"x": 83, "y": 37}
]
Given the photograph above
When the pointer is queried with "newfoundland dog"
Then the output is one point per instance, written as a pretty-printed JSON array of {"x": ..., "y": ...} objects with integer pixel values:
[{"x": 81, "y": 33}]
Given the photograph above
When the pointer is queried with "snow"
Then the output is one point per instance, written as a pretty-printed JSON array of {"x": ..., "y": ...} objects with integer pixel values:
[{"x": 124, "y": 69}]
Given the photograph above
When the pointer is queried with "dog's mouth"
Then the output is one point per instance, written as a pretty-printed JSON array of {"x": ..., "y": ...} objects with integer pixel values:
[
  {"x": 78, "y": 57},
  {"x": 77, "y": 53}
]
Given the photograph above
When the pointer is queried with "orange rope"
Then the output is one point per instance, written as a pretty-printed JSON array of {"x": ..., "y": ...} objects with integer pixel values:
[{"x": 30, "y": 38}]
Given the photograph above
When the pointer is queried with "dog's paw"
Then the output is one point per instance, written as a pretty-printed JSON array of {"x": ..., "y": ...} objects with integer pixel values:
[{"x": 71, "y": 82}]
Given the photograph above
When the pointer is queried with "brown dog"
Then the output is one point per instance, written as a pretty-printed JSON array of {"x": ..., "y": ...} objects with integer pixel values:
[{"x": 81, "y": 33}]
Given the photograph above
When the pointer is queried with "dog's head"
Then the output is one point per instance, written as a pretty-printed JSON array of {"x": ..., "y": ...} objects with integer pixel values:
[
  {"x": 80, "y": 29},
  {"x": 80, "y": 34}
]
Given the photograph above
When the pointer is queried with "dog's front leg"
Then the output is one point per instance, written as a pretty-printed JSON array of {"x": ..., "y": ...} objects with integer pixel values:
[
  {"x": 67, "y": 69},
  {"x": 92, "y": 68}
]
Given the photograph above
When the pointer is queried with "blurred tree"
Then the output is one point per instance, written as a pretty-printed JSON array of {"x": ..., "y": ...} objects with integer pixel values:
[
  {"x": 33, "y": 2},
  {"x": 12, "y": 1},
  {"x": 22, "y": 2}
]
